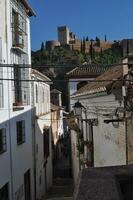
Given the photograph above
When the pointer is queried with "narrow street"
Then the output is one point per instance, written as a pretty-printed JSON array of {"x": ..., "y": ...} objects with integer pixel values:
[{"x": 62, "y": 188}]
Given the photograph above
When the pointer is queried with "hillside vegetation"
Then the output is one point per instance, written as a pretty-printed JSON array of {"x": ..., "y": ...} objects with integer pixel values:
[
  {"x": 56, "y": 63},
  {"x": 64, "y": 56}
]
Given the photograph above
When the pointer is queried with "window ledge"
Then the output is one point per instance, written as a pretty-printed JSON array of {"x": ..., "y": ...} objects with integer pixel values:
[
  {"x": 17, "y": 108},
  {"x": 18, "y": 49},
  {"x": 2, "y": 151},
  {"x": 19, "y": 143},
  {"x": 42, "y": 114}
]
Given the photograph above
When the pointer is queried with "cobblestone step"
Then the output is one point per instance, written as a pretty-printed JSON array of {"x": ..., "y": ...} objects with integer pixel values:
[
  {"x": 61, "y": 198},
  {"x": 60, "y": 191},
  {"x": 62, "y": 181}
]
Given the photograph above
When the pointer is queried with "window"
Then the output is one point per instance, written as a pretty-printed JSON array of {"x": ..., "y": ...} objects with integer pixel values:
[
  {"x": 4, "y": 192},
  {"x": 17, "y": 84},
  {"x": 1, "y": 76},
  {"x": 1, "y": 89},
  {"x": 20, "y": 88},
  {"x": 2, "y": 140},
  {"x": 20, "y": 132},
  {"x": 18, "y": 29},
  {"x": 46, "y": 142},
  {"x": 36, "y": 94}
]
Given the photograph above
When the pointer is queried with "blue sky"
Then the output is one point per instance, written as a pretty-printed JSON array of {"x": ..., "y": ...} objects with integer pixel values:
[{"x": 83, "y": 17}]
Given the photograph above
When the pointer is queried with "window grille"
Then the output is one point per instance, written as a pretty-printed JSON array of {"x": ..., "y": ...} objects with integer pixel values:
[
  {"x": 36, "y": 94},
  {"x": 2, "y": 140},
  {"x": 21, "y": 88},
  {"x": 18, "y": 29},
  {"x": 1, "y": 88},
  {"x": 20, "y": 132},
  {"x": 46, "y": 142},
  {"x": 4, "y": 193}
]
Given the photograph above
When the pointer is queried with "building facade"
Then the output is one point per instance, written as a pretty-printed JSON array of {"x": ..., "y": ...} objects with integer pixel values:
[
  {"x": 80, "y": 76},
  {"x": 42, "y": 138},
  {"x": 104, "y": 138},
  {"x": 16, "y": 158}
]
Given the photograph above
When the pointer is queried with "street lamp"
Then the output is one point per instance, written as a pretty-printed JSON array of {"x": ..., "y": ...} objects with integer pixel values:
[{"x": 78, "y": 108}]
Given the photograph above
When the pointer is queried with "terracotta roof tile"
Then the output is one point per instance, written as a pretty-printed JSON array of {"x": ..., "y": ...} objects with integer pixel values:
[
  {"x": 110, "y": 75},
  {"x": 87, "y": 70}
]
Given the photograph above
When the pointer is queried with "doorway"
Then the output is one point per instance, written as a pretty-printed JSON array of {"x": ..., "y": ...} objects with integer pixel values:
[{"x": 27, "y": 186}]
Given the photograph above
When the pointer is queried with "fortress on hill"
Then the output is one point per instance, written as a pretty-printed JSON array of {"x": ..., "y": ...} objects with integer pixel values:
[{"x": 66, "y": 37}]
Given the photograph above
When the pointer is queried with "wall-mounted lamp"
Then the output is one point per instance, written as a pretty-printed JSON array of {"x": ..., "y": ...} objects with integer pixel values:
[{"x": 78, "y": 108}]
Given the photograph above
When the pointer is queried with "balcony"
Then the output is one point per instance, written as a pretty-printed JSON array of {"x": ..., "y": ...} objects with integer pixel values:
[{"x": 20, "y": 87}]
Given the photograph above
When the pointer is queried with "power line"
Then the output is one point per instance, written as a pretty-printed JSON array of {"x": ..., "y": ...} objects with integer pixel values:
[
  {"x": 60, "y": 65},
  {"x": 61, "y": 80}
]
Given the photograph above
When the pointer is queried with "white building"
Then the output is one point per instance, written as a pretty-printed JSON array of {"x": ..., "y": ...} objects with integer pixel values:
[
  {"x": 80, "y": 76},
  {"x": 42, "y": 133},
  {"x": 56, "y": 100},
  {"x": 103, "y": 125},
  {"x": 16, "y": 158}
]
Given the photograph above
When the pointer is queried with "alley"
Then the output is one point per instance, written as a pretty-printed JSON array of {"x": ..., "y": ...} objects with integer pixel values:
[{"x": 62, "y": 188}]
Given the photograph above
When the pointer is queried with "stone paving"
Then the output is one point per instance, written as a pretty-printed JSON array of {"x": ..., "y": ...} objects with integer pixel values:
[{"x": 62, "y": 188}]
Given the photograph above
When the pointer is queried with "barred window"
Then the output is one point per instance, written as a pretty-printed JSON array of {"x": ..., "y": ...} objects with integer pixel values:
[
  {"x": 18, "y": 29},
  {"x": 20, "y": 132},
  {"x": 2, "y": 140},
  {"x": 36, "y": 94},
  {"x": 1, "y": 88},
  {"x": 4, "y": 193},
  {"x": 46, "y": 142}
]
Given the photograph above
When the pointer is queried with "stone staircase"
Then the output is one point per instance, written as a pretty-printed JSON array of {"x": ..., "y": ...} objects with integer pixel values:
[{"x": 62, "y": 189}]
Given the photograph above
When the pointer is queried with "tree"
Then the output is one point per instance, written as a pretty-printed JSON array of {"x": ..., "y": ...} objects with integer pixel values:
[
  {"x": 97, "y": 39},
  {"x": 87, "y": 39},
  {"x": 105, "y": 38},
  {"x": 83, "y": 45},
  {"x": 42, "y": 46}
]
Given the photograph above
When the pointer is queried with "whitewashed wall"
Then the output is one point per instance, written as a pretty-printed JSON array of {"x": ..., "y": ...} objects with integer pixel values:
[
  {"x": 74, "y": 156},
  {"x": 72, "y": 88},
  {"x": 17, "y": 159},
  {"x": 41, "y": 105},
  {"x": 109, "y": 142},
  {"x": 46, "y": 179},
  {"x": 60, "y": 123}
]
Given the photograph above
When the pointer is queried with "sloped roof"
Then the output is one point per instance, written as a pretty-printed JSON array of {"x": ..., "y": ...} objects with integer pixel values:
[
  {"x": 102, "y": 82},
  {"x": 29, "y": 10},
  {"x": 55, "y": 91},
  {"x": 55, "y": 107},
  {"x": 41, "y": 76},
  {"x": 87, "y": 70}
]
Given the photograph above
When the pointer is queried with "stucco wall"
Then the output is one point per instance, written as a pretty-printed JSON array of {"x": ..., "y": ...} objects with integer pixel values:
[
  {"x": 109, "y": 141},
  {"x": 75, "y": 158},
  {"x": 18, "y": 158},
  {"x": 43, "y": 181}
]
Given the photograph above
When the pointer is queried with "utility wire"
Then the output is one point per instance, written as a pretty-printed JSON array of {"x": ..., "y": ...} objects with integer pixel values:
[
  {"x": 43, "y": 66},
  {"x": 61, "y": 80}
]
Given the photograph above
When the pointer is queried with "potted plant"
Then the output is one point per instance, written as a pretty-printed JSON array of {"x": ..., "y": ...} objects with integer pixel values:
[
  {"x": 88, "y": 163},
  {"x": 88, "y": 144},
  {"x": 80, "y": 147}
]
